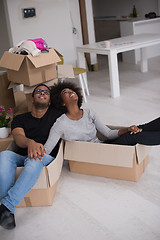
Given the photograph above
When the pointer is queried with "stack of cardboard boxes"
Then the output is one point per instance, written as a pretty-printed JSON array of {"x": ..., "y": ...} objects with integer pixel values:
[
  {"x": 25, "y": 72},
  {"x": 6, "y": 95},
  {"x": 6, "y": 100}
]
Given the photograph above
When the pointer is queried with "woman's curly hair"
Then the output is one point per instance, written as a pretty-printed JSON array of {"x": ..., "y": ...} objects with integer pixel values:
[{"x": 56, "y": 99}]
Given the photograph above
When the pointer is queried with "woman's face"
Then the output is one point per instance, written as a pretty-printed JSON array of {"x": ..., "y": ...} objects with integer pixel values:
[{"x": 68, "y": 96}]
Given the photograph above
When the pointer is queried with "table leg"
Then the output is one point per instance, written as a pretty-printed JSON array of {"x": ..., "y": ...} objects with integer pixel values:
[
  {"x": 144, "y": 61},
  {"x": 81, "y": 61},
  {"x": 114, "y": 74}
]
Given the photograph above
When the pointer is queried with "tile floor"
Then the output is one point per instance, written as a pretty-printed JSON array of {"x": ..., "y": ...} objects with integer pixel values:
[{"x": 91, "y": 208}]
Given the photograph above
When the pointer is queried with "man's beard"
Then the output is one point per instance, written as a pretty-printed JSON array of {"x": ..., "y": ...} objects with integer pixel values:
[{"x": 39, "y": 105}]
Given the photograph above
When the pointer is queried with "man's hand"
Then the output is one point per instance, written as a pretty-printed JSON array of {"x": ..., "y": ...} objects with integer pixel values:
[
  {"x": 35, "y": 150},
  {"x": 134, "y": 129}
]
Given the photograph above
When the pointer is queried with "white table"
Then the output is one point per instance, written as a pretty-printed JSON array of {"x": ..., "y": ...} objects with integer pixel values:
[{"x": 118, "y": 45}]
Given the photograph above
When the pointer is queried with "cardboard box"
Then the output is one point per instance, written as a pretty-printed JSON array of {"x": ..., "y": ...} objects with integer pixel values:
[
  {"x": 20, "y": 102},
  {"x": 107, "y": 160},
  {"x": 58, "y": 53},
  {"x": 65, "y": 71},
  {"x": 6, "y": 95},
  {"x": 5, "y": 142},
  {"x": 30, "y": 70},
  {"x": 43, "y": 192}
]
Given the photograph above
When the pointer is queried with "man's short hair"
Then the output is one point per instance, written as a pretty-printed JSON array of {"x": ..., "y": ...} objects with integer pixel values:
[{"x": 41, "y": 84}]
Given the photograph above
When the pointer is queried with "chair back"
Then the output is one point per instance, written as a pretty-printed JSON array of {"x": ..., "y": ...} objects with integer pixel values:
[{"x": 61, "y": 62}]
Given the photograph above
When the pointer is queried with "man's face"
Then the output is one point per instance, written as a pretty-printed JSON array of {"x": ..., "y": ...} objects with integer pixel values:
[{"x": 41, "y": 98}]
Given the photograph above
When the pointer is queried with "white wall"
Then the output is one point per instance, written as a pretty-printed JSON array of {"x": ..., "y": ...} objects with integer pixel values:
[
  {"x": 123, "y": 7},
  {"x": 5, "y": 39},
  {"x": 158, "y": 7},
  {"x": 52, "y": 23},
  {"x": 90, "y": 24},
  {"x": 76, "y": 22},
  {"x": 55, "y": 19}
]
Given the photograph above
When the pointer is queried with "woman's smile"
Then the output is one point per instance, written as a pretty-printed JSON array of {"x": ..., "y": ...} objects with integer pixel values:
[{"x": 72, "y": 94}]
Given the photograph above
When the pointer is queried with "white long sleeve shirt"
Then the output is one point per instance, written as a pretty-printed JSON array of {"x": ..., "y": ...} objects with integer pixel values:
[{"x": 84, "y": 129}]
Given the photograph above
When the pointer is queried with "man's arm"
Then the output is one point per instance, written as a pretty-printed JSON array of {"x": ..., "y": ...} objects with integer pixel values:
[{"x": 35, "y": 150}]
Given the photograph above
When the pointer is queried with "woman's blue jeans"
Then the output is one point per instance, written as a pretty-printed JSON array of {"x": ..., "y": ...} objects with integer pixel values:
[{"x": 11, "y": 192}]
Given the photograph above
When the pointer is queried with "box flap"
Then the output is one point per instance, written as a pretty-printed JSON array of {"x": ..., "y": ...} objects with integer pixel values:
[
  {"x": 142, "y": 151},
  {"x": 41, "y": 182},
  {"x": 99, "y": 153},
  {"x": 2, "y": 73},
  {"x": 55, "y": 167},
  {"x": 12, "y": 84},
  {"x": 58, "y": 53},
  {"x": 16, "y": 87},
  {"x": 65, "y": 71},
  {"x": 11, "y": 61},
  {"x": 44, "y": 59}
]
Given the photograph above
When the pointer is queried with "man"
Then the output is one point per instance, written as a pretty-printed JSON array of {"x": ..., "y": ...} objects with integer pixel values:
[{"x": 30, "y": 132}]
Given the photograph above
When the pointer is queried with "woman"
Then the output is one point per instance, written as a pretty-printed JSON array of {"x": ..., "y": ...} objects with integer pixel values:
[{"x": 78, "y": 124}]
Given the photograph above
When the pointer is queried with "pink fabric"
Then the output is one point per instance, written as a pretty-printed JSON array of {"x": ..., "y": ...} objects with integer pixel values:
[{"x": 40, "y": 44}]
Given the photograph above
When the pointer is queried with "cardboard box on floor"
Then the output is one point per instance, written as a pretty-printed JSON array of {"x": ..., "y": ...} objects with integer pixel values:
[
  {"x": 6, "y": 95},
  {"x": 107, "y": 160},
  {"x": 4, "y": 142},
  {"x": 43, "y": 192},
  {"x": 30, "y": 70},
  {"x": 23, "y": 94}
]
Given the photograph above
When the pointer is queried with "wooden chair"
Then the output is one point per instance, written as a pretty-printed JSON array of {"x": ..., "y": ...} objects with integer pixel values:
[{"x": 81, "y": 74}]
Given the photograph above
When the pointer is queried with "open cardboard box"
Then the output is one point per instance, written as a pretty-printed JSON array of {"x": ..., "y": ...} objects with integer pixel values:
[
  {"x": 43, "y": 192},
  {"x": 107, "y": 160},
  {"x": 30, "y": 70}
]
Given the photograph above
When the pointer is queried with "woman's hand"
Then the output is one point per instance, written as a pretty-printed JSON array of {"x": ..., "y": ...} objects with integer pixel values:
[
  {"x": 134, "y": 129},
  {"x": 35, "y": 150}
]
